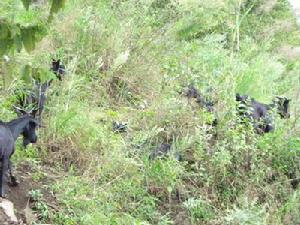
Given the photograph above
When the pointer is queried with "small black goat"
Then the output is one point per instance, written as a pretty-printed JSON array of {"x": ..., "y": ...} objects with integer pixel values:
[
  {"x": 192, "y": 92},
  {"x": 119, "y": 127},
  {"x": 259, "y": 113},
  {"x": 58, "y": 69},
  {"x": 9, "y": 132},
  {"x": 36, "y": 96},
  {"x": 208, "y": 105},
  {"x": 163, "y": 150},
  {"x": 33, "y": 99}
]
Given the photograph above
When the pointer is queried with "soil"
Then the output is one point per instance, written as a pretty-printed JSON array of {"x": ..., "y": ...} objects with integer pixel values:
[
  {"x": 18, "y": 195},
  {"x": 267, "y": 6},
  {"x": 290, "y": 52}
]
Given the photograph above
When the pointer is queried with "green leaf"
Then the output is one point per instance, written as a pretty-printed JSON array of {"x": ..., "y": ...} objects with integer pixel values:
[
  {"x": 4, "y": 31},
  {"x": 26, "y": 3},
  {"x": 56, "y": 6},
  {"x": 28, "y": 38},
  {"x": 42, "y": 74},
  {"x": 15, "y": 30},
  {"x": 39, "y": 32},
  {"x": 170, "y": 189},
  {"x": 5, "y": 46},
  {"x": 26, "y": 73},
  {"x": 18, "y": 43}
]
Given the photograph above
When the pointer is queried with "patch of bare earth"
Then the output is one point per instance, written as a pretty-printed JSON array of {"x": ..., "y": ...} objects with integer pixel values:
[
  {"x": 178, "y": 214},
  {"x": 279, "y": 26},
  {"x": 23, "y": 205},
  {"x": 267, "y": 6},
  {"x": 289, "y": 52}
]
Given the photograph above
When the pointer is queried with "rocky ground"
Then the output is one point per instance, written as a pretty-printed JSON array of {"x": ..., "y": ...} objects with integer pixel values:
[{"x": 18, "y": 208}]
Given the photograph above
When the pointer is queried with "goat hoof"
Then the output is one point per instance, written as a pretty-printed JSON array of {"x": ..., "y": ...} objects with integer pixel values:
[
  {"x": 2, "y": 195},
  {"x": 14, "y": 182}
]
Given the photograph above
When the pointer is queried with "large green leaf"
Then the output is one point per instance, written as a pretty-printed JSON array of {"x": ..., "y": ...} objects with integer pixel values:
[
  {"x": 55, "y": 6},
  {"x": 26, "y": 73},
  {"x": 28, "y": 38},
  {"x": 40, "y": 74},
  {"x": 26, "y": 3},
  {"x": 4, "y": 31},
  {"x": 18, "y": 43},
  {"x": 39, "y": 32},
  {"x": 5, "y": 46}
]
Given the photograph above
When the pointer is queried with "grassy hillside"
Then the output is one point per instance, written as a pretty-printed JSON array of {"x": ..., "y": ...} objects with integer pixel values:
[{"x": 126, "y": 61}]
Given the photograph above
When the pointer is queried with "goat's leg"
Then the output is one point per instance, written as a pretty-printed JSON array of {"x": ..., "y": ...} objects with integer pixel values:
[
  {"x": 2, "y": 174},
  {"x": 13, "y": 179},
  {"x": 2, "y": 178}
]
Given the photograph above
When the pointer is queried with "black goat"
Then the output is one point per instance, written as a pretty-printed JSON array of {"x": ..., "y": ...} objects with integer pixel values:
[
  {"x": 192, "y": 92},
  {"x": 282, "y": 106},
  {"x": 9, "y": 132},
  {"x": 162, "y": 150},
  {"x": 36, "y": 96},
  {"x": 21, "y": 113},
  {"x": 58, "y": 69},
  {"x": 259, "y": 113},
  {"x": 119, "y": 127},
  {"x": 208, "y": 105}
]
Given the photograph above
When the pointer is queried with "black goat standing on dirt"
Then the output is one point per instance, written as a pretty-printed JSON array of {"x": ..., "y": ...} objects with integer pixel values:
[
  {"x": 259, "y": 113},
  {"x": 9, "y": 132}
]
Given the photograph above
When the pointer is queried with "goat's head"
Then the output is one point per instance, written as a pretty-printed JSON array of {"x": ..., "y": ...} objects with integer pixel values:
[
  {"x": 282, "y": 104},
  {"x": 241, "y": 98},
  {"x": 58, "y": 68},
  {"x": 29, "y": 135}
]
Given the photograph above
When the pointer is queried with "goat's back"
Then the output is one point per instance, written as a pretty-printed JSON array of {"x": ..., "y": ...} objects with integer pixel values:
[{"x": 259, "y": 109}]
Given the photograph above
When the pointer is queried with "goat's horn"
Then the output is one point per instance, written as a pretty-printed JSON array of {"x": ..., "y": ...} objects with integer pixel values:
[{"x": 17, "y": 108}]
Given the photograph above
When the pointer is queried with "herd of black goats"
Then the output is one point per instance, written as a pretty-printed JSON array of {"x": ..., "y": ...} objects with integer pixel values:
[
  {"x": 258, "y": 115},
  {"x": 250, "y": 111}
]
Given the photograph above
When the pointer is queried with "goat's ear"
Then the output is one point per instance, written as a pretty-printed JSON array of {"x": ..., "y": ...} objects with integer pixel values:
[
  {"x": 19, "y": 111},
  {"x": 55, "y": 62}
]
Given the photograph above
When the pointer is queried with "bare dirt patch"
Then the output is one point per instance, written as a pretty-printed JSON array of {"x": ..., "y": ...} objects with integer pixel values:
[
  {"x": 267, "y": 6},
  {"x": 280, "y": 26},
  {"x": 18, "y": 195},
  {"x": 290, "y": 52}
]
